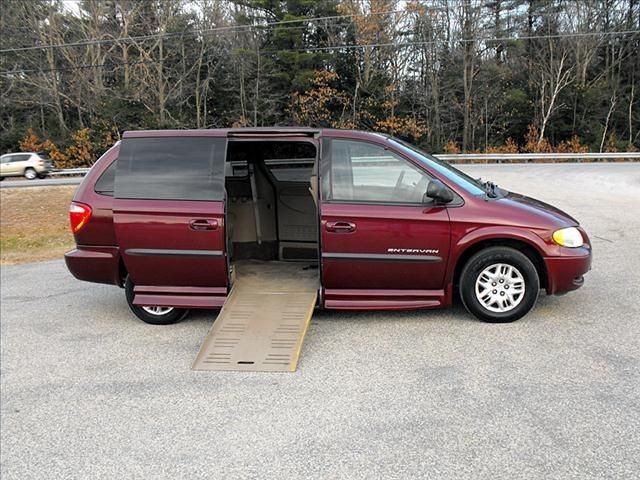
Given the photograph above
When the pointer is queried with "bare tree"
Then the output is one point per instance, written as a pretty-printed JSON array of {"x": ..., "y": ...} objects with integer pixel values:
[{"x": 554, "y": 75}]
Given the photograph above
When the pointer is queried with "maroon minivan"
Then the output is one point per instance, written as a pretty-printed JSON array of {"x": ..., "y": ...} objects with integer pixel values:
[{"x": 168, "y": 214}]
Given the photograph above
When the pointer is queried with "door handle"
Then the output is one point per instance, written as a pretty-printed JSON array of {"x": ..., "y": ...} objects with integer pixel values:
[
  {"x": 202, "y": 224},
  {"x": 340, "y": 227}
]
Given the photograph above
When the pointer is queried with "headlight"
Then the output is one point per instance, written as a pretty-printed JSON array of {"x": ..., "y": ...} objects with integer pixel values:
[{"x": 568, "y": 237}]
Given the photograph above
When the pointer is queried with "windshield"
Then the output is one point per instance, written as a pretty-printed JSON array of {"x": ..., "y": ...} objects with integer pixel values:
[{"x": 459, "y": 178}]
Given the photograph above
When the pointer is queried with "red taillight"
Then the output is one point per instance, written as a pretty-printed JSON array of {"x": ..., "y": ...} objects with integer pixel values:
[{"x": 79, "y": 215}]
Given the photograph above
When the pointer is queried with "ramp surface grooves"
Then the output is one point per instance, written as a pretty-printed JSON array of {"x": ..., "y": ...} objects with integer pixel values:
[{"x": 262, "y": 324}]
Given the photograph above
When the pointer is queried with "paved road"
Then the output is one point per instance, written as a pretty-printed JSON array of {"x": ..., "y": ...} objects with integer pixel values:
[
  {"x": 89, "y": 392},
  {"x": 40, "y": 182}
]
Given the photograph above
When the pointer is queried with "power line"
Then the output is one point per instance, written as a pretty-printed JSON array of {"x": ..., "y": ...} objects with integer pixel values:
[
  {"x": 465, "y": 40},
  {"x": 230, "y": 28},
  {"x": 77, "y": 67},
  {"x": 200, "y": 31},
  {"x": 337, "y": 47}
]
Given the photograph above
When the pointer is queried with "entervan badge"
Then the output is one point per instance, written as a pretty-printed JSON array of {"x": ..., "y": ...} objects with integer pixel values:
[{"x": 425, "y": 251}]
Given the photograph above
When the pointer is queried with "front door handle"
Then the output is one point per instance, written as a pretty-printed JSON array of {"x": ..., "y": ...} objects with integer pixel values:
[
  {"x": 340, "y": 227},
  {"x": 202, "y": 224}
]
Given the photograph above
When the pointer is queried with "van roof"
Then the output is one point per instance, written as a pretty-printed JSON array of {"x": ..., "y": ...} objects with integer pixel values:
[{"x": 255, "y": 132}]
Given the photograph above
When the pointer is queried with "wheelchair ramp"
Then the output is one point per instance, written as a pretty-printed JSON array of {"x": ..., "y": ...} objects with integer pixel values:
[{"x": 262, "y": 324}]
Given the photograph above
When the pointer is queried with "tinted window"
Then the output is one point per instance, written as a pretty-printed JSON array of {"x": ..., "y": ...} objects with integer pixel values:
[
  {"x": 20, "y": 158},
  {"x": 171, "y": 168},
  {"x": 297, "y": 170},
  {"x": 105, "y": 183},
  {"x": 363, "y": 172}
]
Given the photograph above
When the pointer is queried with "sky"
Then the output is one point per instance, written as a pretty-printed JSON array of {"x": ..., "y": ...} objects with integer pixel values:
[{"x": 71, "y": 5}]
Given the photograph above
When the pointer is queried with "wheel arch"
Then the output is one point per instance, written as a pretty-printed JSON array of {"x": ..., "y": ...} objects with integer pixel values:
[
  {"x": 518, "y": 244},
  {"x": 122, "y": 272}
]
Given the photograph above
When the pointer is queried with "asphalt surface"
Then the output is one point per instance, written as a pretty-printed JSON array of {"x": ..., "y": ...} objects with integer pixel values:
[
  {"x": 90, "y": 392},
  {"x": 40, "y": 182}
]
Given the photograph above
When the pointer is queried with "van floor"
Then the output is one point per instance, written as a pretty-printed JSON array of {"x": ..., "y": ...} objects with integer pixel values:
[
  {"x": 262, "y": 324},
  {"x": 265, "y": 276}
]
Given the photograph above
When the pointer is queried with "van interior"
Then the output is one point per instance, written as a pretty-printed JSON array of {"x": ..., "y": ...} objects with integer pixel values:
[
  {"x": 272, "y": 245},
  {"x": 271, "y": 213}
]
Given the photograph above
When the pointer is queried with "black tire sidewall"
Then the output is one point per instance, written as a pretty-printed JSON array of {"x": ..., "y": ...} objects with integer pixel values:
[
  {"x": 489, "y": 256},
  {"x": 174, "y": 316}
]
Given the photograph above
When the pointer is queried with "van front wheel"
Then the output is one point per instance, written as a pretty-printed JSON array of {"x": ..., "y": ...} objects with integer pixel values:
[
  {"x": 499, "y": 284},
  {"x": 154, "y": 315}
]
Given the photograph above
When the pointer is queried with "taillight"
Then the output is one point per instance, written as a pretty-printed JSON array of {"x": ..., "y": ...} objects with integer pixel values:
[
  {"x": 79, "y": 215},
  {"x": 41, "y": 163}
]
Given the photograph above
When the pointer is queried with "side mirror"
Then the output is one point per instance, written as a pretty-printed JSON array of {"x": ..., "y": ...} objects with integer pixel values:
[{"x": 439, "y": 192}]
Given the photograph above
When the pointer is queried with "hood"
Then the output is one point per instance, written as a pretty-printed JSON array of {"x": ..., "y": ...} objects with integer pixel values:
[{"x": 532, "y": 203}]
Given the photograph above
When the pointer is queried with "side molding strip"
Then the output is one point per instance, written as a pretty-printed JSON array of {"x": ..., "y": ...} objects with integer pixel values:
[
  {"x": 383, "y": 257},
  {"x": 173, "y": 253}
]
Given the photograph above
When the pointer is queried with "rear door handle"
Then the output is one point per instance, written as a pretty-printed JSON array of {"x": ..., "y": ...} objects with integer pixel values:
[
  {"x": 202, "y": 224},
  {"x": 340, "y": 227}
]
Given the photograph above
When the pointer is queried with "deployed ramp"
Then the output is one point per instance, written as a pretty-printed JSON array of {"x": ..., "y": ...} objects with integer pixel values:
[{"x": 262, "y": 324}]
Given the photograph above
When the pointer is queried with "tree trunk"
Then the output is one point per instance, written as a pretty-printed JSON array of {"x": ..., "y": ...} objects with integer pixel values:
[
  {"x": 606, "y": 123},
  {"x": 498, "y": 30},
  {"x": 55, "y": 90},
  {"x": 630, "y": 115},
  {"x": 467, "y": 74},
  {"x": 197, "y": 89},
  {"x": 161, "y": 84},
  {"x": 257, "y": 94}
]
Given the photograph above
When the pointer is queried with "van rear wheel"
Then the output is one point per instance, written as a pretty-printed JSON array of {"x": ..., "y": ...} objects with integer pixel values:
[
  {"x": 154, "y": 315},
  {"x": 499, "y": 285}
]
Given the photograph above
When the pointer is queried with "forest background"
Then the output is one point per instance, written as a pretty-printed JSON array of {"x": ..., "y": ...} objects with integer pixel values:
[{"x": 450, "y": 76}]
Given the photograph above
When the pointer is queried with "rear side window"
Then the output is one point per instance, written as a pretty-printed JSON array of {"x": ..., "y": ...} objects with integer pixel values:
[
  {"x": 23, "y": 157},
  {"x": 171, "y": 168},
  {"x": 105, "y": 183}
]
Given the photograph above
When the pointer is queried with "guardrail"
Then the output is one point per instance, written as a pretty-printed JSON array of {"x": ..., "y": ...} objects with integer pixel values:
[
  {"x": 69, "y": 171},
  {"x": 481, "y": 158},
  {"x": 544, "y": 157}
]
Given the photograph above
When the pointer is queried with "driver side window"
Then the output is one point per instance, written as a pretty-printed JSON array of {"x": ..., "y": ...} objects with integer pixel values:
[{"x": 364, "y": 172}]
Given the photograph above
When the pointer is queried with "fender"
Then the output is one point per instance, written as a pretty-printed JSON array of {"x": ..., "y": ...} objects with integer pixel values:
[{"x": 473, "y": 237}]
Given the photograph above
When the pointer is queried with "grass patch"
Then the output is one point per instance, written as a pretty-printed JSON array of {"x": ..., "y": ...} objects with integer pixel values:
[{"x": 34, "y": 223}]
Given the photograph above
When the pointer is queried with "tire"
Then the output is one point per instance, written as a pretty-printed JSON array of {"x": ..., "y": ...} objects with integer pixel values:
[
  {"x": 30, "y": 174},
  {"x": 147, "y": 314},
  {"x": 514, "y": 291},
  {"x": 42, "y": 175},
  {"x": 1, "y": 178}
]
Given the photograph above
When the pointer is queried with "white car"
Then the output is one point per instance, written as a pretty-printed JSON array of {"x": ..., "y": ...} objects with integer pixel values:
[{"x": 30, "y": 165}]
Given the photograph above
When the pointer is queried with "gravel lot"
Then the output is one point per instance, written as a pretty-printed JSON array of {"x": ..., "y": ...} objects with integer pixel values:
[{"x": 90, "y": 392}]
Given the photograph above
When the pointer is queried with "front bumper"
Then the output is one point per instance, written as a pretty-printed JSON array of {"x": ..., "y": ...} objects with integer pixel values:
[
  {"x": 95, "y": 264},
  {"x": 566, "y": 273}
]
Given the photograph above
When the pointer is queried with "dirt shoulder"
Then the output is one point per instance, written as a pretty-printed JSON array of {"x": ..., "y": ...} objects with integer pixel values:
[{"x": 34, "y": 223}]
